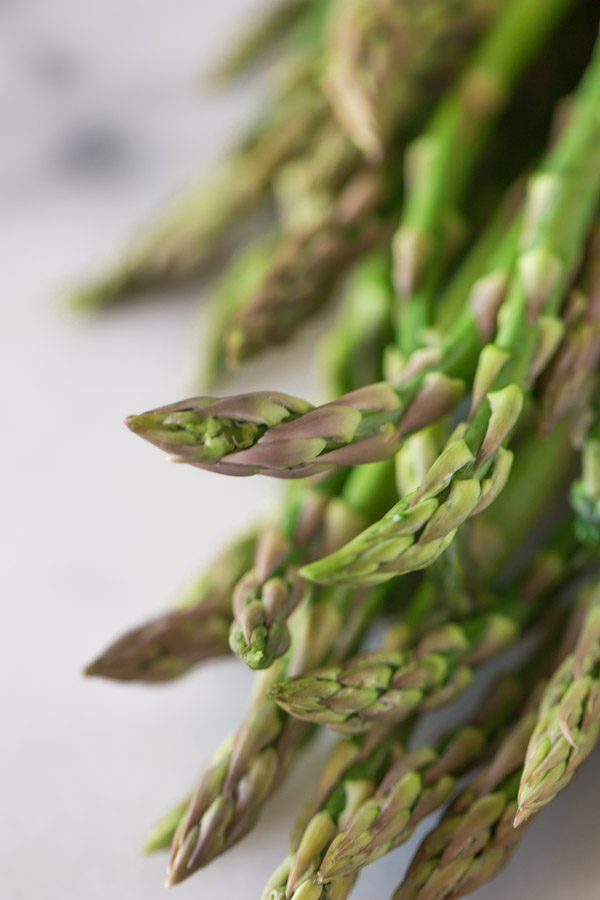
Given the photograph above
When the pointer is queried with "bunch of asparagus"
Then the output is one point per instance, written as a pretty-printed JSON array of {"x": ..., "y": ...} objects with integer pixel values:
[{"x": 439, "y": 162}]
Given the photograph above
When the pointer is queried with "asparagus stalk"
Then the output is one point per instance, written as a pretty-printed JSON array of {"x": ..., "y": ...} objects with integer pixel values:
[
  {"x": 286, "y": 437},
  {"x": 170, "y": 645},
  {"x": 386, "y": 686},
  {"x": 585, "y": 493},
  {"x": 306, "y": 266},
  {"x": 568, "y": 722},
  {"x": 572, "y": 372},
  {"x": 352, "y": 352},
  {"x": 460, "y": 483}
]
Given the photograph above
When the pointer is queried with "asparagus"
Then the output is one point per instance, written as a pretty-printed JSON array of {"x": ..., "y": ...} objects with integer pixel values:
[
  {"x": 386, "y": 686},
  {"x": 220, "y": 435},
  {"x": 307, "y": 265},
  {"x": 355, "y": 765},
  {"x": 459, "y": 483},
  {"x": 568, "y": 722},
  {"x": 286, "y": 437},
  {"x": 230, "y": 797},
  {"x": 170, "y": 645},
  {"x": 565, "y": 386}
]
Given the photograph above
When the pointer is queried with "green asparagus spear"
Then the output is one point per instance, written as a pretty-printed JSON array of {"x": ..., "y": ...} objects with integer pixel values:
[
  {"x": 170, "y": 645},
  {"x": 568, "y": 723}
]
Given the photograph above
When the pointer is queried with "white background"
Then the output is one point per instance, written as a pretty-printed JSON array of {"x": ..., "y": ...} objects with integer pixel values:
[{"x": 102, "y": 116}]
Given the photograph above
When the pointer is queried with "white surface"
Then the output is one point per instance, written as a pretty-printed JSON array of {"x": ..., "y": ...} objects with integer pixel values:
[{"x": 98, "y": 532}]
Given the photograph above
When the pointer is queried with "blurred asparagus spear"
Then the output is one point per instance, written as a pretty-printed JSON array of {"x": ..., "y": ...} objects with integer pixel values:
[{"x": 170, "y": 645}]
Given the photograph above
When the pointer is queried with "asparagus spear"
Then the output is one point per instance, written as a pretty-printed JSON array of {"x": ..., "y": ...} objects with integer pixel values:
[
  {"x": 258, "y": 431},
  {"x": 477, "y": 834},
  {"x": 170, "y": 645},
  {"x": 568, "y": 722},
  {"x": 566, "y": 190},
  {"x": 344, "y": 784},
  {"x": 286, "y": 437},
  {"x": 386, "y": 686}
]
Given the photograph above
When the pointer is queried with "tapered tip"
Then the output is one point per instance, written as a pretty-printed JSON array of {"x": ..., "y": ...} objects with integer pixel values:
[{"x": 521, "y": 816}]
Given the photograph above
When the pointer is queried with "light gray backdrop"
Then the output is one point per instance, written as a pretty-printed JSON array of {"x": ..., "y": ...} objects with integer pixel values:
[{"x": 101, "y": 118}]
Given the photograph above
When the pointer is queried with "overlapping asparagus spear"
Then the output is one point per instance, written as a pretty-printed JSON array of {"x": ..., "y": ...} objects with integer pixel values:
[
  {"x": 568, "y": 722},
  {"x": 170, "y": 645},
  {"x": 349, "y": 777},
  {"x": 286, "y": 437},
  {"x": 357, "y": 764},
  {"x": 299, "y": 126}
]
